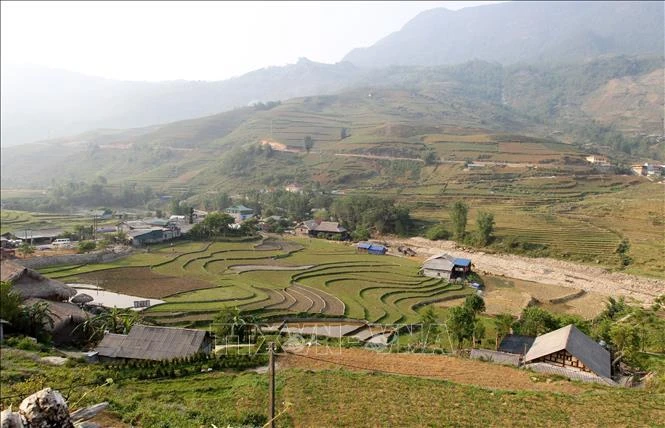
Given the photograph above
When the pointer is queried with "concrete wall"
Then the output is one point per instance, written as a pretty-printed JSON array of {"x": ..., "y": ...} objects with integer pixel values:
[{"x": 103, "y": 256}]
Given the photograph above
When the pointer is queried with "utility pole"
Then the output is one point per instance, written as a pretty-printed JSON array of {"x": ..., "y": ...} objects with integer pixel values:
[{"x": 271, "y": 375}]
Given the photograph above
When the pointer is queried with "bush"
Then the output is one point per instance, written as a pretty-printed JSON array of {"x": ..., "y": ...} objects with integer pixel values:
[
  {"x": 24, "y": 343},
  {"x": 437, "y": 232},
  {"x": 85, "y": 246}
]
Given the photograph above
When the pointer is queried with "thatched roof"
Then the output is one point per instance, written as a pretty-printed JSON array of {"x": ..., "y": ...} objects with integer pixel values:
[
  {"x": 30, "y": 283},
  {"x": 152, "y": 343},
  {"x": 61, "y": 312}
]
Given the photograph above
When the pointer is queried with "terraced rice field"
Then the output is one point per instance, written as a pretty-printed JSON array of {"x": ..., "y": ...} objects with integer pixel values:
[{"x": 269, "y": 277}]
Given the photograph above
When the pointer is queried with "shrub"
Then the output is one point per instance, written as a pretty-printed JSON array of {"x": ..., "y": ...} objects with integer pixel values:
[
  {"x": 85, "y": 246},
  {"x": 437, "y": 232}
]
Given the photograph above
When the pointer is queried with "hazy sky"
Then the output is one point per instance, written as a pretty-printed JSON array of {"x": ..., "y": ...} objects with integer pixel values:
[{"x": 194, "y": 40}]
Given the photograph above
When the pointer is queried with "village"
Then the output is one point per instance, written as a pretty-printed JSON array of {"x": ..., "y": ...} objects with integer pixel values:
[{"x": 565, "y": 351}]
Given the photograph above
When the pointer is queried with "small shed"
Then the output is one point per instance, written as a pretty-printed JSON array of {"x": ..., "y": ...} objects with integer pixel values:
[
  {"x": 155, "y": 343},
  {"x": 371, "y": 248}
]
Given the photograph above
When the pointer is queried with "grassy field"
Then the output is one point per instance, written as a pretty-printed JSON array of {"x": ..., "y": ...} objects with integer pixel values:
[{"x": 332, "y": 397}]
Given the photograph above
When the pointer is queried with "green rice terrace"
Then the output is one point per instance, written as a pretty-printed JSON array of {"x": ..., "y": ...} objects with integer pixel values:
[{"x": 267, "y": 278}]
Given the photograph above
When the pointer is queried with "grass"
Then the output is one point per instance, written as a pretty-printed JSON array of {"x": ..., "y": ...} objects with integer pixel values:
[{"x": 330, "y": 397}]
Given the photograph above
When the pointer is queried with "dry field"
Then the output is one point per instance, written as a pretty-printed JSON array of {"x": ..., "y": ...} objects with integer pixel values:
[
  {"x": 458, "y": 370},
  {"x": 140, "y": 282}
]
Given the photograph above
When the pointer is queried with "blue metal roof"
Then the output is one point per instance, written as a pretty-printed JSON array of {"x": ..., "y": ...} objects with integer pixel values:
[
  {"x": 377, "y": 247},
  {"x": 462, "y": 262}
]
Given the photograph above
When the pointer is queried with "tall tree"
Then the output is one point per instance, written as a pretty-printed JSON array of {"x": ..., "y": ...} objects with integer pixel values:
[
  {"x": 458, "y": 216},
  {"x": 502, "y": 324},
  {"x": 308, "y": 143},
  {"x": 461, "y": 324},
  {"x": 485, "y": 223}
]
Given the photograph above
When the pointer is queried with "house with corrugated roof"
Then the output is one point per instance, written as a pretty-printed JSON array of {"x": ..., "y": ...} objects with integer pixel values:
[
  {"x": 322, "y": 229},
  {"x": 240, "y": 213},
  {"x": 154, "y": 343},
  {"x": 570, "y": 349},
  {"x": 446, "y": 266}
]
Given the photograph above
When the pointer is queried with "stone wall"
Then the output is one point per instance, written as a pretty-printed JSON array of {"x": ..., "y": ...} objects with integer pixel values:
[{"x": 103, "y": 256}]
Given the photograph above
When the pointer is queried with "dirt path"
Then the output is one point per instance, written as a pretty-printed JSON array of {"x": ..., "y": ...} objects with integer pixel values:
[
  {"x": 544, "y": 270},
  {"x": 453, "y": 369}
]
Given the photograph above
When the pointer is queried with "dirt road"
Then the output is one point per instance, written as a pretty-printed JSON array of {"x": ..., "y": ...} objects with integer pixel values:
[{"x": 544, "y": 270}]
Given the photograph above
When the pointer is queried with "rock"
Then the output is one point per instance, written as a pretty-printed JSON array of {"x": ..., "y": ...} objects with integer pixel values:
[
  {"x": 9, "y": 419},
  {"x": 45, "y": 409},
  {"x": 56, "y": 361}
]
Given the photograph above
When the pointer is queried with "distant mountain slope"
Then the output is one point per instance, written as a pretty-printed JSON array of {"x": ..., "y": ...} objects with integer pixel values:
[
  {"x": 413, "y": 105},
  {"x": 520, "y": 32},
  {"x": 40, "y": 103}
]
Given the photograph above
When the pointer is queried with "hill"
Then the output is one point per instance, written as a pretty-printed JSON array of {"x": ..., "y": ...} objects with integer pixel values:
[
  {"x": 40, "y": 103},
  {"x": 514, "y": 32}
]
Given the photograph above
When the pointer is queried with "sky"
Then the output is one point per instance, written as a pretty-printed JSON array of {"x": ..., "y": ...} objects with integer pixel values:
[{"x": 156, "y": 41}]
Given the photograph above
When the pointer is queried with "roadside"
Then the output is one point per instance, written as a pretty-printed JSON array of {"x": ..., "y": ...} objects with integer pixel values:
[{"x": 543, "y": 270}]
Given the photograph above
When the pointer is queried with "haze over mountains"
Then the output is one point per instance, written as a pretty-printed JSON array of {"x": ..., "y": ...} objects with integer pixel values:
[
  {"x": 520, "y": 32},
  {"x": 40, "y": 103}
]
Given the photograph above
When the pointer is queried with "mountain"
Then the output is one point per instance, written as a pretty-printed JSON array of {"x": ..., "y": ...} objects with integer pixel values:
[
  {"x": 460, "y": 112},
  {"x": 515, "y": 32},
  {"x": 40, "y": 103}
]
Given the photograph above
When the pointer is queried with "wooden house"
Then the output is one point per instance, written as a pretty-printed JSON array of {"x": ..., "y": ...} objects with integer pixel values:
[
  {"x": 322, "y": 229},
  {"x": 569, "y": 348}
]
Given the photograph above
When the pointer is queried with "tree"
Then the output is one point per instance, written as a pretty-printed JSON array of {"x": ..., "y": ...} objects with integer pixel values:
[
  {"x": 535, "y": 321},
  {"x": 343, "y": 133},
  {"x": 308, "y": 143},
  {"x": 429, "y": 324},
  {"x": 502, "y": 324},
  {"x": 10, "y": 302},
  {"x": 114, "y": 320},
  {"x": 475, "y": 304},
  {"x": 26, "y": 249},
  {"x": 485, "y": 222},
  {"x": 429, "y": 157},
  {"x": 36, "y": 317},
  {"x": 231, "y": 322},
  {"x": 461, "y": 324},
  {"x": 458, "y": 216}
]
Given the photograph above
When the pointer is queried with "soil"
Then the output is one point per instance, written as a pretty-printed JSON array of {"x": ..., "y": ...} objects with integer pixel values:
[
  {"x": 458, "y": 370},
  {"x": 141, "y": 282},
  {"x": 543, "y": 270}
]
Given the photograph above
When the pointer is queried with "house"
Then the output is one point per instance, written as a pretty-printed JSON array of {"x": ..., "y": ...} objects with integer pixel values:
[
  {"x": 322, "y": 229},
  {"x": 294, "y": 188},
  {"x": 570, "y": 349},
  {"x": 155, "y": 343},
  {"x": 446, "y": 266},
  {"x": 34, "y": 288},
  {"x": 240, "y": 213},
  {"x": 29, "y": 283},
  {"x": 640, "y": 169},
  {"x": 371, "y": 248},
  {"x": 598, "y": 160},
  {"x": 139, "y": 237},
  {"x": 38, "y": 236},
  {"x": 66, "y": 318}
]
